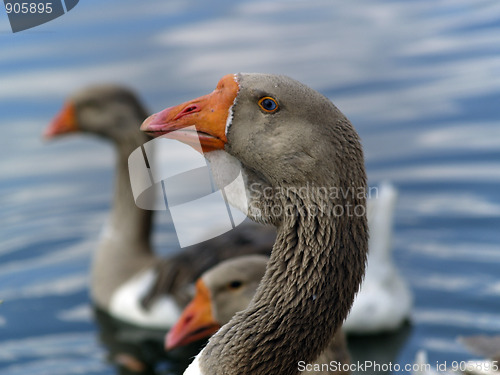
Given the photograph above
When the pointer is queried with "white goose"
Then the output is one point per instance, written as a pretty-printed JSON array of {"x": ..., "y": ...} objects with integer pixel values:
[
  {"x": 384, "y": 301},
  {"x": 484, "y": 345}
]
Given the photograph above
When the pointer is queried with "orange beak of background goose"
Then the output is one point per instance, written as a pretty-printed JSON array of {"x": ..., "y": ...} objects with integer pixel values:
[
  {"x": 209, "y": 114},
  {"x": 196, "y": 321},
  {"x": 63, "y": 123}
]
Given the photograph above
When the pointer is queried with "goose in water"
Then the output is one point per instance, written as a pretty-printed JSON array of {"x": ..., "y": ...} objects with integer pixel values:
[
  {"x": 384, "y": 301},
  {"x": 486, "y": 346},
  {"x": 382, "y": 304},
  {"x": 288, "y": 140},
  {"x": 128, "y": 280},
  {"x": 228, "y": 288}
]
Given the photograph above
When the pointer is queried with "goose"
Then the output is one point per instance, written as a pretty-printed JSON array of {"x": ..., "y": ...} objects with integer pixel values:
[
  {"x": 488, "y": 347},
  {"x": 128, "y": 280},
  {"x": 382, "y": 304},
  {"x": 384, "y": 301},
  {"x": 303, "y": 167},
  {"x": 224, "y": 290},
  {"x": 483, "y": 345}
]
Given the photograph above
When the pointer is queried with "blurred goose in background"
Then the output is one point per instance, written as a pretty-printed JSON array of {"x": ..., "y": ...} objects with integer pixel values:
[
  {"x": 128, "y": 280},
  {"x": 226, "y": 289},
  {"x": 384, "y": 301},
  {"x": 150, "y": 291},
  {"x": 479, "y": 344},
  {"x": 488, "y": 347},
  {"x": 282, "y": 135}
]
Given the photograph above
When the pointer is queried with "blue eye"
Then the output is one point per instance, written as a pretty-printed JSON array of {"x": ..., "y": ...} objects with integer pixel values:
[{"x": 268, "y": 104}]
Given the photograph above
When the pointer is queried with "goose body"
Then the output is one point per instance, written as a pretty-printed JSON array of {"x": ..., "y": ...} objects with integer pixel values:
[
  {"x": 286, "y": 137},
  {"x": 128, "y": 280}
]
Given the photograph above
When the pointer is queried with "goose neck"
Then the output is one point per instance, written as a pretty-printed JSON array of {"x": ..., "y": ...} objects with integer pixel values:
[{"x": 315, "y": 269}]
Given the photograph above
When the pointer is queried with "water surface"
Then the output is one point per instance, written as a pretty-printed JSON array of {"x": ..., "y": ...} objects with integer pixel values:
[{"x": 419, "y": 79}]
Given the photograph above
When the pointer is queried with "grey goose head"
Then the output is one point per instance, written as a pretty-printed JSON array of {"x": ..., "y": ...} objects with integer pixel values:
[
  {"x": 110, "y": 111},
  {"x": 294, "y": 141}
]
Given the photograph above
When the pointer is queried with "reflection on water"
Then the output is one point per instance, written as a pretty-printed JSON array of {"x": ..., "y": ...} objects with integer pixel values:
[
  {"x": 68, "y": 353},
  {"x": 418, "y": 79},
  {"x": 140, "y": 351},
  {"x": 377, "y": 350}
]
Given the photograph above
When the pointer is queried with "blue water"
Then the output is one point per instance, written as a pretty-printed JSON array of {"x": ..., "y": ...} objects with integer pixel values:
[{"x": 419, "y": 79}]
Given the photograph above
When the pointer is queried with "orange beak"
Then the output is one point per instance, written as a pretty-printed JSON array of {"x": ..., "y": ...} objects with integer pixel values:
[
  {"x": 63, "y": 123},
  {"x": 208, "y": 114},
  {"x": 196, "y": 321}
]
